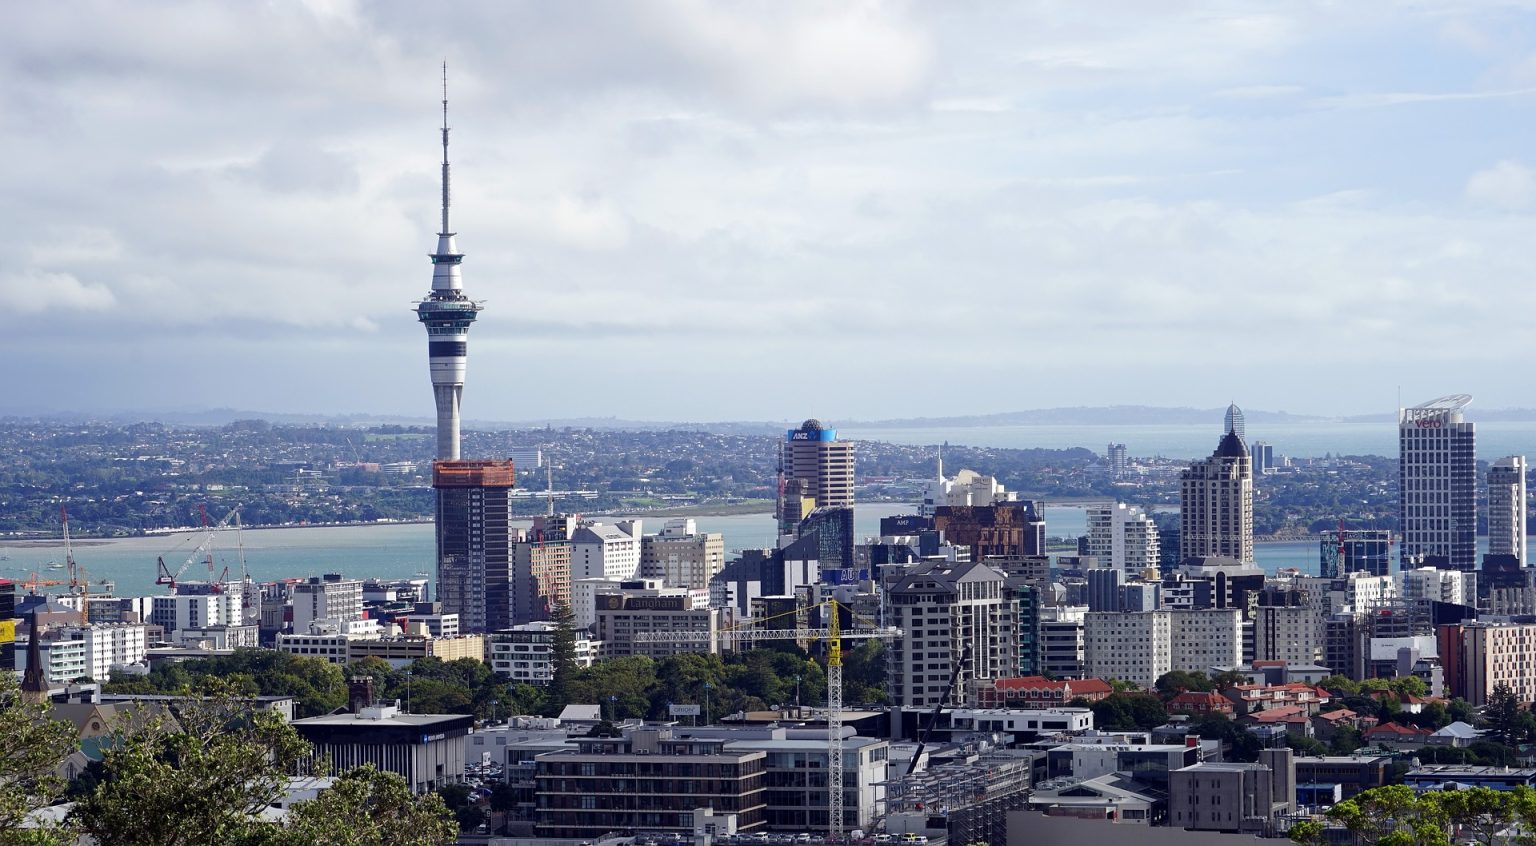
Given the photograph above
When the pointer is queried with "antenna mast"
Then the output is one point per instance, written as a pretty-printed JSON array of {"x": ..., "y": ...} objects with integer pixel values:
[{"x": 445, "y": 230}]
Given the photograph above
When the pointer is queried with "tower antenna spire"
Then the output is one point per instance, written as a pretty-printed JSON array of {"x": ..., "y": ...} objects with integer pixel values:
[{"x": 445, "y": 229}]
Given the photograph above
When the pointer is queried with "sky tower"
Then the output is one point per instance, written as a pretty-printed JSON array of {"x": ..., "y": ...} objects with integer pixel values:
[{"x": 447, "y": 313}]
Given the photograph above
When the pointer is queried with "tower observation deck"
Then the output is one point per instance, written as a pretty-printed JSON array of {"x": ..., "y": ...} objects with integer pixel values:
[{"x": 447, "y": 313}]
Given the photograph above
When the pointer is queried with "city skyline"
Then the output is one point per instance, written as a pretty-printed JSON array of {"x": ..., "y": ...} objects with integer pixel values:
[{"x": 714, "y": 191}]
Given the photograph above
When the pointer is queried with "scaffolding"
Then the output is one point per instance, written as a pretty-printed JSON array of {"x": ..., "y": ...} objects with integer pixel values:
[{"x": 970, "y": 800}]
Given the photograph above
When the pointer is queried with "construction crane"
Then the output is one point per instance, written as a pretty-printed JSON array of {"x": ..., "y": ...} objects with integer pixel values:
[
  {"x": 36, "y": 582},
  {"x": 69, "y": 553},
  {"x": 954, "y": 677},
  {"x": 165, "y": 577},
  {"x": 834, "y": 635}
]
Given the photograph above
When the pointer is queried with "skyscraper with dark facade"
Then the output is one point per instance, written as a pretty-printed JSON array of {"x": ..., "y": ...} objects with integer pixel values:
[
  {"x": 474, "y": 542},
  {"x": 1437, "y": 496}
]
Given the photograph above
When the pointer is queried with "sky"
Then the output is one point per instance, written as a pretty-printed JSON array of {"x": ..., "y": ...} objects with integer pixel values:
[{"x": 770, "y": 209}]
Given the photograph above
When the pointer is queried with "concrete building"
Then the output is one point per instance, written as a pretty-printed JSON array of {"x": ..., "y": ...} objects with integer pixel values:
[
  {"x": 1295, "y": 634},
  {"x": 1437, "y": 469},
  {"x": 1478, "y": 657},
  {"x": 474, "y": 509},
  {"x": 1123, "y": 537},
  {"x": 1507, "y": 508},
  {"x": 795, "y": 773},
  {"x": 602, "y": 551},
  {"x": 951, "y": 614},
  {"x": 584, "y": 599},
  {"x": 399, "y": 652},
  {"x": 194, "y": 611},
  {"x": 1234, "y": 797},
  {"x": 328, "y": 639},
  {"x": 644, "y": 607},
  {"x": 1141, "y": 647},
  {"x": 108, "y": 646},
  {"x": 817, "y": 471},
  {"x": 63, "y": 660},
  {"x": 1430, "y": 583},
  {"x": 682, "y": 556},
  {"x": 646, "y": 780},
  {"x": 525, "y": 653},
  {"x": 1216, "y": 501},
  {"x": 328, "y": 597},
  {"x": 427, "y": 750},
  {"x": 541, "y": 575},
  {"x": 1061, "y": 640}
]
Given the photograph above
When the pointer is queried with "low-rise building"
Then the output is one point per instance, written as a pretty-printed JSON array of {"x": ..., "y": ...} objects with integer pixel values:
[
  {"x": 526, "y": 653},
  {"x": 646, "y": 780},
  {"x": 1037, "y": 692},
  {"x": 427, "y": 750},
  {"x": 401, "y": 651},
  {"x": 1234, "y": 797}
]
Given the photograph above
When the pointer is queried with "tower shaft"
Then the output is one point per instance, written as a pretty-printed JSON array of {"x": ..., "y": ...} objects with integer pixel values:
[{"x": 447, "y": 314}]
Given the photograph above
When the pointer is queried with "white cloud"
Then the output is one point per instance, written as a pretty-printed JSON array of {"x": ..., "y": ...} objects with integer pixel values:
[
  {"x": 1507, "y": 186},
  {"x": 35, "y": 292}
]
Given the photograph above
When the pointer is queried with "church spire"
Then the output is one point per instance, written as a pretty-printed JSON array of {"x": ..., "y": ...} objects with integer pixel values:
[{"x": 34, "y": 683}]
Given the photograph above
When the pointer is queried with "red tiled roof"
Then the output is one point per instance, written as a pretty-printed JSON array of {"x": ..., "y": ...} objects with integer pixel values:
[
  {"x": 1341, "y": 714},
  {"x": 1393, "y": 730}
]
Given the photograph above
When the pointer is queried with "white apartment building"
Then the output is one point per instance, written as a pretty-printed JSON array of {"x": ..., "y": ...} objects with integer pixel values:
[
  {"x": 1363, "y": 593},
  {"x": 328, "y": 639},
  {"x": 525, "y": 653},
  {"x": 1132, "y": 647},
  {"x": 584, "y": 599},
  {"x": 950, "y": 613},
  {"x": 1437, "y": 500},
  {"x": 1141, "y": 647},
  {"x": 328, "y": 597},
  {"x": 1433, "y": 584},
  {"x": 681, "y": 556},
  {"x": 601, "y": 551},
  {"x": 1122, "y": 537},
  {"x": 107, "y": 646},
  {"x": 1060, "y": 641},
  {"x": 195, "y": 611},
  {"x": 64, "y": 660},
  {"x": 1506, "y": 508}
]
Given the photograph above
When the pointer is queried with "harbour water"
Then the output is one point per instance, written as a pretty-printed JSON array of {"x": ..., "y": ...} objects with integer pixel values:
[{"x": 401, "y": 550}]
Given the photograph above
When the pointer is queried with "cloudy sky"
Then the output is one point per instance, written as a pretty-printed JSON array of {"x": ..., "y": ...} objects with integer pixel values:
[{"x": 769, "y": 210}]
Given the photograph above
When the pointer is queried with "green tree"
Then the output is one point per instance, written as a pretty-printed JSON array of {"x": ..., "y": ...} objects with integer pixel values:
[
  {"x": 1393, "y": 816},
  {"x": 1173, "y": 683},
  {"x": 1502, "y": 715},
  {"x": 562, "y": 657},
  {"x": 34, "y": 745},
  {"x": 1345, "y": 740},
  {"x": 202, "y": 776},
  {"x": 366, "y": 807}
]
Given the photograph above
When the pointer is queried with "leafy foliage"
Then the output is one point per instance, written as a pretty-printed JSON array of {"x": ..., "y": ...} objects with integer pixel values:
[{"x": 34, "y": 744}]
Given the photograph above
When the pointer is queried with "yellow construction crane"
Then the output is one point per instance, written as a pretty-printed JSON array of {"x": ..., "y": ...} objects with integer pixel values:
[{"x": 833, "y": 633}]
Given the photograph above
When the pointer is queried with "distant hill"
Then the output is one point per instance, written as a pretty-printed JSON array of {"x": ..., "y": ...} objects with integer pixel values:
[{"x": 1108, "y": 415}]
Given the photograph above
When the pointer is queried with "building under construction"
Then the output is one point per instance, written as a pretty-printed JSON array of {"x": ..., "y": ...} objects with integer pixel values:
[{"x": 965, "y": 801}]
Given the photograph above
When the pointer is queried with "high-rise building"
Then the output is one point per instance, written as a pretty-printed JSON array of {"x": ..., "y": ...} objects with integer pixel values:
[
  {"x": 1104, "y": 589},
  {"x": 1235, "y": 423},
  {"x": 1003, "y": 529},
  {"x": 1216, "y": 500},
  {"x": 1506, "y": 508},
  {"x": 1263, "y": 458},
  {"x": 1114, "y": 458},
  {"x": 603, "y": 551},
  {"x": 682, "y": 556},
  {"x": 817, "y": 471},
  {"x": 1122, "y": 537},
  {"x": 1437, "y": 469},
  {"x": 328, "y": 597},
  {"x": 952, "y": 614},
  {"x": 447, "y": 313},
  {"x": 474, "y": 510}
]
